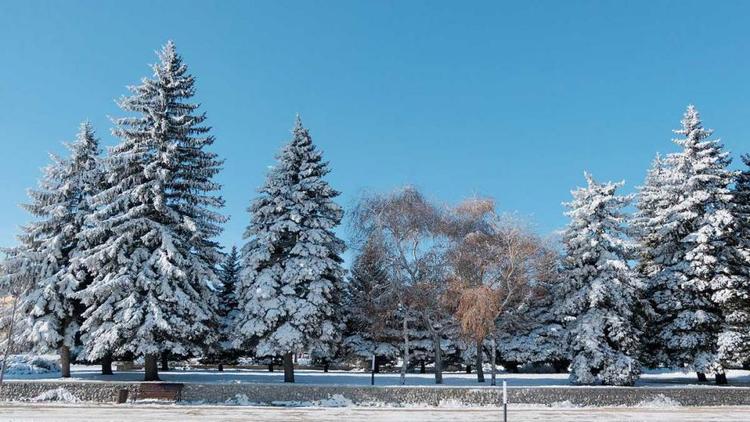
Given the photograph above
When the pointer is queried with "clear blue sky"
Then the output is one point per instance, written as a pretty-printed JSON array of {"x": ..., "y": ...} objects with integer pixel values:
[{"x": 507, "y": 99}]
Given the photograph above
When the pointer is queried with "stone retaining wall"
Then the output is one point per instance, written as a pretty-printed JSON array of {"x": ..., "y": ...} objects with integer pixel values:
[{"x": 430, "y": 396}]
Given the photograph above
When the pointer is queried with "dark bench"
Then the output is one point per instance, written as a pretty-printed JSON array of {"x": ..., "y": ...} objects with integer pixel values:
[{"x": 159, "y": 391}]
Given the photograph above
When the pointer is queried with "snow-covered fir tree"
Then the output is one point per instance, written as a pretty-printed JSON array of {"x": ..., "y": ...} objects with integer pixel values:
[
  {"x": 599, "y": 289},
  {"x": 290, "y": 291},
  {"x": 151, "y": 253},
  {"x": 652, "y": 198},
  {"x": 734, "y": 340},
  {"x": 42, "y": 260},
  {"x": 690, "y": 276},
  {"x": 229, "y": 276},
  {"x": 371, "y": 307},
  {"x": 538, "y": 337}
]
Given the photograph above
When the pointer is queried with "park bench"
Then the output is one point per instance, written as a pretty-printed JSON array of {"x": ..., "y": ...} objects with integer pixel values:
[{"x": 159, "y": 391}]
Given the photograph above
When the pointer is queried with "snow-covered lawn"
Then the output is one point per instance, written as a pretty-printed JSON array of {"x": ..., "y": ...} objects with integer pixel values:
[
  {"x": 237, "y": 376},
  {"x": 161, "y": 413}
]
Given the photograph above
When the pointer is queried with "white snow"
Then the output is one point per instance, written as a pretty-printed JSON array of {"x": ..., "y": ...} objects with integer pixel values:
[
  {"x": 650, "y": 378},
  {"x": 58, "y": 394},
  {"x": 30, "y": 364}
]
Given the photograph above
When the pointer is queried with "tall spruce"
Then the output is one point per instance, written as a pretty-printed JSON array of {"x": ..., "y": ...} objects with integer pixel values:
[
  {"x": 599, "y": 288},
  {"x": 652, "y": 198},
  {"x": 690, "y": 251},
  {"x": 150, "y": 250},
  {"x": 42, "y": 259},
  {"x": 371, "y": 306},
  {"x": 734, "y": 340},
  {"x": 290, "y": 290},
  {"x": 229, "y": 276}
]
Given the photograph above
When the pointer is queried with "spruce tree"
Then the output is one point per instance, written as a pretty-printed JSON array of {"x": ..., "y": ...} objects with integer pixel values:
[
  {"x": 690, "y": 251},
  {"x": 653, "y": 197},
  {"x": 599, "y": 288},
  {"x": 290, "y": 290},
  {"x": 371, "y": 307},
  {"x": 734, "y": 340},
  {"x": 229, "y": 275},
  {"x": 43, "y": 257},
  {"x": 150, "y": 246}
]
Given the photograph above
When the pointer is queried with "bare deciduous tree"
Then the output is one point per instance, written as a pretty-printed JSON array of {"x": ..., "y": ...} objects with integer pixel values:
[
  {"x": 495, "y": 265},
  {"x": 414, "y": 239}
]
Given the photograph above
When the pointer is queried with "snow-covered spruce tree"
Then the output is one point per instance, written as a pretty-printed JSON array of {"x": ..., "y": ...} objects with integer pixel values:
[
  {"x": 734, "y": 340},
  {"x": 371, "y": 307},
  {"x": 599, "y": 289},
  {"x": 150, "y": 245},
  {"x": 291, "y": 285},
  {"x": 229, "y": 275},
  {"x": 653, "y": 197},
  {"x": 43, "y": 256},
  {"x": 538, "y": 338},
  {"x": 691, "y": 252}
]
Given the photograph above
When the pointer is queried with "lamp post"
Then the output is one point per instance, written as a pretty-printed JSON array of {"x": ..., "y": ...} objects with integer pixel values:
[{"x": 505, "y": 401}]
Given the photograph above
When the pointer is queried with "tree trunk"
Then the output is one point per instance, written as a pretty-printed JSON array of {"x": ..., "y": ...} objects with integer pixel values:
[
  {"x": 107, "y": 364},
  {"x": 65, "y": 361},
  {"x": 480, "y": 362},
  {"x": 377, "y": 365},
  {"x": 438, "y": 360},
  {"x": 270, "y": 367},
  {"x": 9, "y": 342},
  {"x": 288, "y": 367},
  {"x": 494, "y": 360},
  {"x": 721, "y": 379},
  {"x": 422, "y": 368},
  {"x": 164, "y": 361},
  {"x": 221, "y": 367},
  {"x": 151, "y": 368},
  {"x": 325, "y": 367},
  {"x": 701, "y": 377},
  {"x": 405, "y": 363},
  {"x": 468, "y": 369}
]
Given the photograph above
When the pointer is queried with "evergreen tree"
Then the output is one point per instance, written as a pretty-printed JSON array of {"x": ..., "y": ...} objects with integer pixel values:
[
  {"x": 290, "y": 290},
  {"x": 229, "y": 275},
  {"x": 690, "y": 250},
  {"x": 652, "y": 199},
  {"x": 43, "y": 258},
  {"x": 150, "y": 248},
  {"x": 599, "y": 288},
  {"x": 734, "y": 340},
  {"x": 371, "y": 307},
  {"x": 538, "y": 337}
]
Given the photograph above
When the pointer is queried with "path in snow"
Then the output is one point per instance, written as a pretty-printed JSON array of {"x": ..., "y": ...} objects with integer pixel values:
[
  {"x": 131, "y": 413},
  {"x": 305, "y": 376}
]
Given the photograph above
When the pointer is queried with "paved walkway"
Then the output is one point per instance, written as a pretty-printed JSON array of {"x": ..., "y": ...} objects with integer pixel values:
[{"x": 169, "y": 413}]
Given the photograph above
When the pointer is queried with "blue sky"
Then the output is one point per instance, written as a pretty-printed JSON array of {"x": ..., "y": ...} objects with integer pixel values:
[{"x": 512, "y": 100}]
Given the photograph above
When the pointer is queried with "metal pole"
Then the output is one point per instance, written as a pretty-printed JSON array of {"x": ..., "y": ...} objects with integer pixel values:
[
  {"x": 505, "y": 402},
  {"x": 10, "y": 340},
  {"x": 372, "y": 369}
]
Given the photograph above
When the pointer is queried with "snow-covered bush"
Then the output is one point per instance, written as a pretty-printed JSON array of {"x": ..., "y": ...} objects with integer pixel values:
[{"x": 28, "y": 364}]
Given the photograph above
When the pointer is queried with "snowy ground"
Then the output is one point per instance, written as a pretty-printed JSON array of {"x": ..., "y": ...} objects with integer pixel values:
[
  {"x": 167, "y": 413},
  {"x": 92, "y": 373}
]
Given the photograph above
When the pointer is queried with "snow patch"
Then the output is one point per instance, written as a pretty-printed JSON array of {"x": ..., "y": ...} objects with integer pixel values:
[
  {"x": 336, "y": 400},
  {"x": 58, "y": 394},
  {"x": 660, "y": 401},
  {"x": 241, "y": 400}
]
